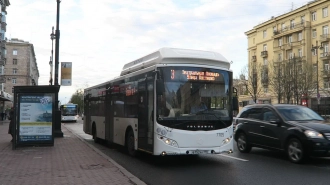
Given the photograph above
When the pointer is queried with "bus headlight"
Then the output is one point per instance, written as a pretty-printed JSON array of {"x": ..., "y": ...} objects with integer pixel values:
[
  {"x": 161, "y": 131},
  {"x": 225, "y": 141},
  {"x": 169, "y": 141}
]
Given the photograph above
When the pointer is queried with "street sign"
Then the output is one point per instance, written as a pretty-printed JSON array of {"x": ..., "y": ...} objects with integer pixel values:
[{"x": 66, "y": 73}]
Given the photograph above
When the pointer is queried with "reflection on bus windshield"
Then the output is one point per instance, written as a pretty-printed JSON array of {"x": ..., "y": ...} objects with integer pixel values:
[{"x": 190, "y": 99}]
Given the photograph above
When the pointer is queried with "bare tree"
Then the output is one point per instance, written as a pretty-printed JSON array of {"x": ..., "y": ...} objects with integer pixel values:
[
  {"x": 251, "y": 75},
  {"x": 306, "y": 80},
  {"x": 291, "y": 79}
]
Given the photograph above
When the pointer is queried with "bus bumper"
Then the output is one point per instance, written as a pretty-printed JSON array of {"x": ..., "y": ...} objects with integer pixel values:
[{"x": 164, "y": 149}]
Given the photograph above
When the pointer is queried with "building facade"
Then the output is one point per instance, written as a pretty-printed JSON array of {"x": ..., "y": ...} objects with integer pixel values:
[
  {"x": 21, "y": 67},
  {"x": 4, "y": 96},
  {"x": 296, "y": 44}
]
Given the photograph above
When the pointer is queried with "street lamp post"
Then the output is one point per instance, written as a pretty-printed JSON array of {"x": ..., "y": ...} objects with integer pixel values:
[
  {"x": 52, "y": 37},
  {"x": 57, "y": 131},
  {"x": 315, "y": 49}
]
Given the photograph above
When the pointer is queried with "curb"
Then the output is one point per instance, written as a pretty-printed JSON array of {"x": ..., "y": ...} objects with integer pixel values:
[{"x": 130, "y": 176}]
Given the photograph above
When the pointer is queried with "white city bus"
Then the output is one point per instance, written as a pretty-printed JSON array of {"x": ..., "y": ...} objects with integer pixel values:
[
  {"x": 155, "y": 106},
  {"x": 69, "y": 112}
]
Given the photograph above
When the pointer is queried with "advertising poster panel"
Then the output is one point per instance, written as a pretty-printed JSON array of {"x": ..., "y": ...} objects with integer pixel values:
[
  {"x": 66, "y": 73},
  {"x": 35, "y": 118}
]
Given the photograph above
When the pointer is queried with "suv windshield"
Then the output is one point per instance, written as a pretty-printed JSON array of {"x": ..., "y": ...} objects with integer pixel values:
[
  {"x": 193, "y": 93},
  {"x": 298, "y": 113}
]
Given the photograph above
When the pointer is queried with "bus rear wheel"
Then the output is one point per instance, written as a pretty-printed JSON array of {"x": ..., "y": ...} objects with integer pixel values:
[{"x": 130, "y": 143}]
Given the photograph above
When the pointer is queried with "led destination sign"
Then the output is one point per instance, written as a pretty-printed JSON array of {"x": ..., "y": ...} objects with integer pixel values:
[{"x": 195, "y": 75}]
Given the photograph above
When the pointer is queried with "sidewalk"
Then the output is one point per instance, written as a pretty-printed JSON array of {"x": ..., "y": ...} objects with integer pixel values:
[{"x": 70, "y": 161}]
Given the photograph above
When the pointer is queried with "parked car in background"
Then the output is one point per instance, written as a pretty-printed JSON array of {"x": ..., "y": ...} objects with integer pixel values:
[{"x": 294, "y": 129}]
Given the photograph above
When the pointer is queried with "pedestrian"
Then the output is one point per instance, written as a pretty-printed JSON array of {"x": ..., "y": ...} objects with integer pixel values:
[{"x": 11, "y": 124}]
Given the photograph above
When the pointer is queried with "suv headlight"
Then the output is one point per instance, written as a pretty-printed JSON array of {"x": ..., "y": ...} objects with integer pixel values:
[{"x": 313, "y": 134}]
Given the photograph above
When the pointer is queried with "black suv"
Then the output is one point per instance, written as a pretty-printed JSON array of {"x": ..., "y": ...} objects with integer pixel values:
[{"x": 295, "y": 129}]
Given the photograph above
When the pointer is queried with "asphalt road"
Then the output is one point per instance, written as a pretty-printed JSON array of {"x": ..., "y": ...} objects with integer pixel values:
[{"x": 258, "y": 167}]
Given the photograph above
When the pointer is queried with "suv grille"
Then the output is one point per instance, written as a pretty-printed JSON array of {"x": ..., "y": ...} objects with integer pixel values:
[{"x": 327, "y": 135}]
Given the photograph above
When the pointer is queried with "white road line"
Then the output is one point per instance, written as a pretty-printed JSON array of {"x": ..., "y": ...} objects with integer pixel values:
[{"x": 234, "y": 157}]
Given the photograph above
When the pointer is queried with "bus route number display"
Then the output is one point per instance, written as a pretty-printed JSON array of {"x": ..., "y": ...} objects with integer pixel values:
[{"x": 194, "y": 75}]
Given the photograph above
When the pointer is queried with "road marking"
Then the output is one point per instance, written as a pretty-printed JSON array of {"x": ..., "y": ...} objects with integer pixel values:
[{"x": 234, "y": 157}]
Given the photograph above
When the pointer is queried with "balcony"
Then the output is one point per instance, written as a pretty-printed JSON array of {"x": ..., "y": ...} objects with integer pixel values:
[
  {"x": 324, "y": 37},
  {"x": 254, "y": 58},
  {"x": 298, "y": 26},
  {"x": 264, "y": 54},
  {"x": 325, "y": 56}
]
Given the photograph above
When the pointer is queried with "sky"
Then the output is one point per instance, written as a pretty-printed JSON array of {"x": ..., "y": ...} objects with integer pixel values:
[{"x": 99, "y": 37}]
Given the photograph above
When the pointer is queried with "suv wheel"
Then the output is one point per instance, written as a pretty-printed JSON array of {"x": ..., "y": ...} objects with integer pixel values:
[
  {"x": 295, "y": 151},
  {"x": 242, "y": 143}
]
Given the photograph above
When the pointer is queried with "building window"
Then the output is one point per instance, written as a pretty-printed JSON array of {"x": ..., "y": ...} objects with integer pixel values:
[
  {"x": 274, "y": 29},
  {"x": 314, "y": 33},
  {"x": 314, "y": 52},
  {"x": 326, "y": 47},
  {"x": 283, "y": 26},
  {"x": 265, "y": 47},
  {"x": 302, "y": 19},
  {"x": 313, "y": 16},
  {"x": 265, "y": 61},
  {"x": 280, "y": 56},
  {"x": 300, "y": 36},
  {"x": 15, "y": 71},
  {"x": 290, "y": 55},
  {"x": 300, "y": 52},
  {"x": 325, "y": 30},
  {"x": 292, "y": 24},
  {"x": 280, "y": 42},
  {"x": 265, "y": 90},
  {"x": 325, "y": 12},
  {"x": 13, "y": 80},
  {"x": 289, "y": 38},
  {"x": 265, "y": 33},
  {"x": 14, "y": 61},
  {"x": 14, "y": 52},
  {"x": 299, "y": 68},
  {"x": 326, "y": 67}
]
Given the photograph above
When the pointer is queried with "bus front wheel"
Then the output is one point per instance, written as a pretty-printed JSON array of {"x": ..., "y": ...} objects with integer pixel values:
[{"x": 130, "y": 143}]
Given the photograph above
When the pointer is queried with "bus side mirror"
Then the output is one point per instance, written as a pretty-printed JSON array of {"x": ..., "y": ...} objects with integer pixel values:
[
  {"x": 235, "y": 103},
  {"x": 160, "y": 88}
]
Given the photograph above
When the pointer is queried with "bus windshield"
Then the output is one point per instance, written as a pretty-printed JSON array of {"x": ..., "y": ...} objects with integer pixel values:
[
  {"x": 69, "y": 110},
  {"x": 193, "y": 93}
]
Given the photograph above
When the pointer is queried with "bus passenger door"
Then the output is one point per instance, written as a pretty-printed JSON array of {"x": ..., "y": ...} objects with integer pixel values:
[
  {"x": 145, "y": 111},
  {"x": 108, "y": 115}
]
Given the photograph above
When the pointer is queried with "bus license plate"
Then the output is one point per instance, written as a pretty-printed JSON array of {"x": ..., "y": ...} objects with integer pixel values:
[{"x": 199, "y": 152}]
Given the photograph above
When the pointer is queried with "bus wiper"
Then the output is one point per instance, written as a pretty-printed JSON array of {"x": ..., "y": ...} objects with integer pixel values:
[{"x": 213, "y": 114}]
